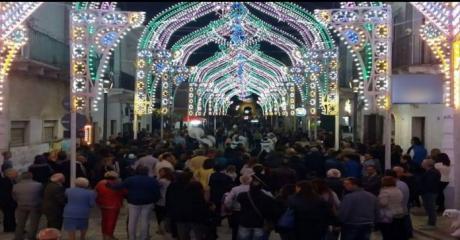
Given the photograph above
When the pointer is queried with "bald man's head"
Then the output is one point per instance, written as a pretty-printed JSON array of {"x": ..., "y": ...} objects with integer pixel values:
[{"x": 399, "y": 171}]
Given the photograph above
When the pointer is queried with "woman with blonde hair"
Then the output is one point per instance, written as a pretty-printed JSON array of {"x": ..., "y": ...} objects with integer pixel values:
[{"x": 80, "y": 200}]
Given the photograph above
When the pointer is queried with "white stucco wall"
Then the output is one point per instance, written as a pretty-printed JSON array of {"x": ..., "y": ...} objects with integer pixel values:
[{"x": 433, "y": 114}]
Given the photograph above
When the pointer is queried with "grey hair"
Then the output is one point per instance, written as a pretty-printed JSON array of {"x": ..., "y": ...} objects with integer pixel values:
[
  {"x": 333, "y": 172},
  {"x": 81, "y": 182}
]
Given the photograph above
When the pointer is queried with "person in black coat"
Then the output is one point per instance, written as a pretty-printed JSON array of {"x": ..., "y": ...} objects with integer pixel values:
[
  {"x": 7, "y": 203},
  {"x": 314, "y": 162},
  {"x": 256, "y": 208},
  {"x": 429, "y": 188},
  {"x": 187, "y": 207},
  {"x": 371, "y": 182},
  {"x": 334, "y": 181},
  {"x": 312, "y": 215},
  {"x": 41, "y": 170},
  {"x": 219, "y": 184}
]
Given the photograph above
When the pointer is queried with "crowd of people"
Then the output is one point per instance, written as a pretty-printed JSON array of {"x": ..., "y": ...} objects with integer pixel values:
[{"x": 296, "y": 188}]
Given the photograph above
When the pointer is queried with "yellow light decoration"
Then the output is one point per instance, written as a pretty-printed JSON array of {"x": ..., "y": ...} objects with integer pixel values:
[
  {"x": 140, "y": 63},
  {"x": 456, "y": 71},
  {"x": 88, "y": 134},
  {"x": 78, "y": 33},
  {"x": 381, "y": 31},
  {"x": 381, "y": 66}
]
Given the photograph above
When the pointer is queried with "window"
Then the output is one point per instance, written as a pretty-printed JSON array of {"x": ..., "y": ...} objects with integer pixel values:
[
  {"x": 49, "y": 130},
  {"x": 18, "y": 133}
]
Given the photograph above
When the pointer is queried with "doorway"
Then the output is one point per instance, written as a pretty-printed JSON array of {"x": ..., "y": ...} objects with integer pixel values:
[{"x": 418, "y": 128}]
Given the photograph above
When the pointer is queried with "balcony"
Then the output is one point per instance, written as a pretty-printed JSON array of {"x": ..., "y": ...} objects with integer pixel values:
[{"x": 44, "y": 56}]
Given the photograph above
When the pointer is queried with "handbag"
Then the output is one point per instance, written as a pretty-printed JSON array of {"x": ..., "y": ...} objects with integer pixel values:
[{"x": 286, "y": 221}]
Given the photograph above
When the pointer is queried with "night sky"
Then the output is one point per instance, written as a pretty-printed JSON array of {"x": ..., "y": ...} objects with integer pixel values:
[{"x": 154, "y": 8}]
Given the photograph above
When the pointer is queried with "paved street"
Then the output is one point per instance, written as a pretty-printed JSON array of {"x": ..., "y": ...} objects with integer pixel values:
[{"x": 225, "y": 233}]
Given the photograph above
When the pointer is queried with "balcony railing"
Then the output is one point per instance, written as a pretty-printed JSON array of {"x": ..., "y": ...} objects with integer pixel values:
[{"x": 46, "y": 49}]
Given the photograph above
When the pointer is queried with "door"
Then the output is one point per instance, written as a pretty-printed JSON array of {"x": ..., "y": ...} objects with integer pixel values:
[{"x": 418, "y": 128}]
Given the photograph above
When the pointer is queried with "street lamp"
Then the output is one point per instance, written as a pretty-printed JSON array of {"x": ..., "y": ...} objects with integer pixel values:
[{"x": 107, "y": 84}]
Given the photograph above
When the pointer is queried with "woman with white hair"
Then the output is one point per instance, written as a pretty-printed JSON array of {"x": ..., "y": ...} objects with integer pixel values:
[
  {"x": 80, "y": 200},
  {"x": 334, "y": 181},
  {"x": 110, "y": 201},
  {"x": 54, "y": 201}
]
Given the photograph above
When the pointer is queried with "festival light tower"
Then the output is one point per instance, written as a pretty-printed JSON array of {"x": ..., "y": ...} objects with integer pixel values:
[{"x": 442, "y": 33}]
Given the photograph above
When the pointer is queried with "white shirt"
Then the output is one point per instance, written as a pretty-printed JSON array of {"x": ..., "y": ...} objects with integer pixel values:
[
  {"x": 444, "y": 170},
  {"x": 162, "y": 164},
  {"x": 148, "y": 161},
  {"x": 230, "y": 199}
]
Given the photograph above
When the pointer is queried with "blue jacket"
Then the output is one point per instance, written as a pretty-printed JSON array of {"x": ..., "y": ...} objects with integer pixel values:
[
  {"x": 420, "y": 154},
  {"x": 79, "y": 202},
  {"x": 141, "y": 189},
  {"x": 353, "y": 169},
  {"x": 359, "y": 207}
]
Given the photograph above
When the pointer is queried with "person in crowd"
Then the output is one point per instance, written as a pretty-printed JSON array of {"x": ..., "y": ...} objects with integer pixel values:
[
  {"x": 254, "y": 216},
  {"x": 234, "y": 206},
  {"x": 165, "y": 160},
  {"x": 40, "y": 170},
  {"x": 147, "y": 160},
  {"x": 391, "y": 222},
  {"x": 358, "y": 211},
  {"x": 434, "y": 153},
  {"x": 49, "y": 234},
  {"x": 7, "y": 162},
  {"x": 188, "y": 208},
  {"x": 28, "y": 195},
  {"x": 417, "y": 151},
  {"x": 165, "y": 177},
  {"x": 54, "y": 201},
  {"x": 352, "y": 166},
  {"x": 334, "y": 181},
  {"x": 108, "y": 164},
  {"x": 333, "y": 162},
  {"x": 429, "y": 188},
  {"x": 327, "y": 194},
  {"x": 398, "y": 173},
  {"x": 197, "y": 161},
  {"x": 283, "y": 175},
  {"x": 371, "y": 181},
  {"x": 443, "y": 166},
  {"x": 312, "y": 214},
  {"x": 110, "y": 202},
  {"x": 53, "y": 160},
  {"x": 296, "y": 162},
  {"x": 7, "y": 203},
  {"x": 142, "y": 192},
  {"x": 80, "y": 200},
  {"x": 219, "y": 184},
  {"x": 231, "y": 172},
  {"x": 249, "y": 164},
  {"x": 64, "y": 168},
  {"x": 370, "y": 160},
  {"x": 315, "y": 163},
  {"x": 283, "y": 197}
]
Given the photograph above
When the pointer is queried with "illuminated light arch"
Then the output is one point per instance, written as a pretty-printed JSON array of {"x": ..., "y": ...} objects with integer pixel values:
[
  {"x": 156, "y": 37},
  {"x": 366, "y": 30},
  {"x": 96, "y": 29}
]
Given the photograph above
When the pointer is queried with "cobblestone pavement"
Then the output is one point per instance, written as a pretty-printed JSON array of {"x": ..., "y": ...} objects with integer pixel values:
[{"x": 224, "y": 232}]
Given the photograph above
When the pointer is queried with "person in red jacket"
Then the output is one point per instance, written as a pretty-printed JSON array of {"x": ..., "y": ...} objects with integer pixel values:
[{"x": 110, "y": 201}]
